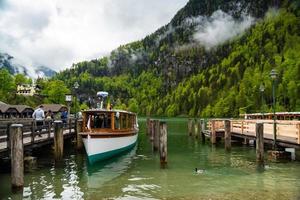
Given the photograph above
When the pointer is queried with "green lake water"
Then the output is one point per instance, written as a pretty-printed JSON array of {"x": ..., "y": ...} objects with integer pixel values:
[{"x": 137, "y": 173}]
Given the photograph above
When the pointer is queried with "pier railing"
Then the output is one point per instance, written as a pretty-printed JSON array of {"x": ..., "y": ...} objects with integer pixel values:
[
  {"x": 33, "y": 134},
  {"x": 288, "y": 131}
]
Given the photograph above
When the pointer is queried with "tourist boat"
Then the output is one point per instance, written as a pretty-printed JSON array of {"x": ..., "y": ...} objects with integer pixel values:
[{"x": 108, "y": 132}]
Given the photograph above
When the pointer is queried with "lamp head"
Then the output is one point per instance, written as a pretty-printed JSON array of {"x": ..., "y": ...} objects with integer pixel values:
[
  {"x": 273, "y": 74},
  {"x": 76, "y": 85}
]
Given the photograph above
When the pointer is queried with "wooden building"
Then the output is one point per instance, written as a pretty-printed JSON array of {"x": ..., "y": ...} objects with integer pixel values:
[
  {"x": 27, "y": 89},
  {"x": 8, "y": 111},
  {"x": 24, "y": 111}
]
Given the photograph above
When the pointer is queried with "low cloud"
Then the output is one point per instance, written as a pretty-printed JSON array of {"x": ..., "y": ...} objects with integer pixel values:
[{"x": 218, "y": 28}]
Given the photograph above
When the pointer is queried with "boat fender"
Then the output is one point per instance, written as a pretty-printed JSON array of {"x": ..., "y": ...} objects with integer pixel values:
[{"x": 117, "y": 114}]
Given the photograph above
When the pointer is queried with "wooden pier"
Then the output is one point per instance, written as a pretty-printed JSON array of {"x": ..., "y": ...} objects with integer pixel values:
[
  {"x": 32, "y": 138},
  {"x": 287, "y": 131}
]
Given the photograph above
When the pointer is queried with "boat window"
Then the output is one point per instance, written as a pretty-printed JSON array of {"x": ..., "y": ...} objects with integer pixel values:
[
  {"x": 124, "y": 120},
  {"x": 98, "y": 120}
]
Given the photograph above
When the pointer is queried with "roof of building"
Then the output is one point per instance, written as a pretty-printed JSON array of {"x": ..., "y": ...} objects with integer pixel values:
[
  {"x": 53, "y": 107},
  {"x": 21, "y": 108},
  {"x": 1, "y": 102},
  {"x": 5, "y": 107}
]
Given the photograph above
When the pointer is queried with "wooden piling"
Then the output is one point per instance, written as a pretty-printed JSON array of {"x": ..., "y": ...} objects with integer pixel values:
[
  {"x": 79, "y": 143},
  {"x": 148, "y": 127},
  {"x": 190, "y": 126},
  {"x": 17, "y": 155},
  {"x": 213, "y": 137},
  {"x": 152, "y": 129},
  {"x": 202, "y": 130},
  {"x": 163, "y": 143},
  {"x": 227, "y": 135},
  {"x": 156, "y": 135},
  {"x": 58, "y": 140},
  {"x": 196, "y": 128},
  {"x": 245, "y": 141},
  {"x": 259, "y": 128}
]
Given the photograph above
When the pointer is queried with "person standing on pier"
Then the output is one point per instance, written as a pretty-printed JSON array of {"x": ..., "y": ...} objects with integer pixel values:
[
  {"x": 64, "y": 117},
  {"x": 39, "y": 117}
]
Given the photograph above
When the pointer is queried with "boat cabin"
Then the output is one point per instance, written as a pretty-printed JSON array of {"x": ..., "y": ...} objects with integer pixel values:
[{"x": 101, "y": 120}]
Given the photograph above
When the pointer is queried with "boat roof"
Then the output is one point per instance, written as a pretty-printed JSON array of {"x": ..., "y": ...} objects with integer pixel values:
[{"x": 95, "y": 110}]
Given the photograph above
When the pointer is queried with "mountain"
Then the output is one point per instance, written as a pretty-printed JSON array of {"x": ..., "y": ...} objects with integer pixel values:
[
  {"x": 210, "y": 60},
  {"x": 12, "y": 65}
]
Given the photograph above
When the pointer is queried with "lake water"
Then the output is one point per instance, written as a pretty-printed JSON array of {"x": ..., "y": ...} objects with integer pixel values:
[{"x": 137, "y": 174}]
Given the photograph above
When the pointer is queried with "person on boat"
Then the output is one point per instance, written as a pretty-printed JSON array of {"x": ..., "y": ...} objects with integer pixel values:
[
  {"x": 39, "y": 117},
  {"x": 79, "y": 114}
]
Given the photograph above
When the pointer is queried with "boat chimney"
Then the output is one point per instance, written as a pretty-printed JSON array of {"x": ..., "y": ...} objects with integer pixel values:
[{"x": 102, "y": 95}]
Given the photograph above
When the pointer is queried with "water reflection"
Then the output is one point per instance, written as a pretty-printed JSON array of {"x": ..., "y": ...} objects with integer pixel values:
[
  {"x": 137, "y": 174},
  {"x": 105, "y": 171}
]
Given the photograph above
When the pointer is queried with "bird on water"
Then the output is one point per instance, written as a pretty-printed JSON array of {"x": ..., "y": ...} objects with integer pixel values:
[{"x": 199, "y": 171}]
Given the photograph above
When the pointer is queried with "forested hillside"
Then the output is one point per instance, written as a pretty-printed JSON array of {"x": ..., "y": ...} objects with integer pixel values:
[{"x": 209, "y": 61}]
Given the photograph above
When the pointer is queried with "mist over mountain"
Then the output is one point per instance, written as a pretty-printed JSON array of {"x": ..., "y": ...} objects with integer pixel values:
[{"x": 14, "y": 67}]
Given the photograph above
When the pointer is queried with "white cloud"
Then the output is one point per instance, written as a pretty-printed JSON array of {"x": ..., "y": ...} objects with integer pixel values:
[
  {"x": 57, "y": 33},
  {"x": 219, "y": 27}
]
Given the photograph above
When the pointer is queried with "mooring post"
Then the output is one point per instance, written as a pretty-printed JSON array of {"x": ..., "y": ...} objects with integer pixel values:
[
  {"x": 213, "y": 137},
  {"x": 245, "y": 141},
  {"x": 8, "y": 135},
  {"x": 163, "y": 143},
  {"x": 202, "y": 130},
  {"x": 151, "y": 130},
  {"x": 195, "y": 128},
  {"x": 227, "y": 135},
  {"x": 198, "y": 129},
  {"x": 79, "y": 143},
  {"x": 33, "y": 126},
  {"x": 17, "y": 154},
  {"x": 58, "y": 140},
  {"x": 156, "y": 135},
  {"x": 259, "y": 129},
  {"x": 190, "y": 125},
  {"x": 148, "y": 128}
]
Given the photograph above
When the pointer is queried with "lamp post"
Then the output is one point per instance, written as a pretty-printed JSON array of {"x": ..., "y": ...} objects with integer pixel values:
[
  {"x": 68, "y": 100},
  {"x": 76, "y": 86},
  {"x": 273, "y": 75},
  {"x": 262, "y": 89}
]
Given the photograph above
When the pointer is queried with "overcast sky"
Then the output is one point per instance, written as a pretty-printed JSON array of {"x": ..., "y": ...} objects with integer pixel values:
[{"x": 57, "y": 33}]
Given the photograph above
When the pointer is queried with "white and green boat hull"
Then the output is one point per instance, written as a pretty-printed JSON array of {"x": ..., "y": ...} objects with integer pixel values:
[{"x": 103, "y": 148}]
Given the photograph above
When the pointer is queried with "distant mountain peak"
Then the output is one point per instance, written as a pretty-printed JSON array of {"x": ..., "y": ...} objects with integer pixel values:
[{"x": 14, "y": 67}]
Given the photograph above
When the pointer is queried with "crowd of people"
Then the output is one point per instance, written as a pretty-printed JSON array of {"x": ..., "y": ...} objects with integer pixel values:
[{"x": 40, "y": 117}]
